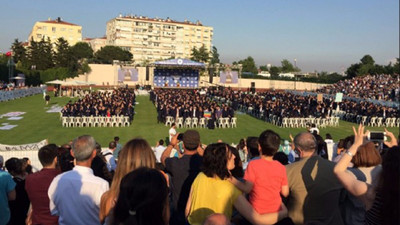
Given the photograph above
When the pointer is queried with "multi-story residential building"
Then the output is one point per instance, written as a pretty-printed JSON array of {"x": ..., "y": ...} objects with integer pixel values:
[
  {"x": 151, "y": 39},
  {"x": 96, "y": 43},
  {"x": 55, "y": 29}
]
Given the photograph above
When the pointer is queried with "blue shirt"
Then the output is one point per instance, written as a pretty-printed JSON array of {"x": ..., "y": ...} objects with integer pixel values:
[{"x": 6, "y": 186}]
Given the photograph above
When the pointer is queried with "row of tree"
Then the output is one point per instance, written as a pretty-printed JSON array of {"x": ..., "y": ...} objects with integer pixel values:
[
  {"x": 367, "y": 66},
  {"x": 42, "y": 61}
]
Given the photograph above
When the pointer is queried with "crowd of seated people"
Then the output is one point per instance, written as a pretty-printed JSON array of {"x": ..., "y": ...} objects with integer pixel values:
[
  {"x": 286, "y": 183},
  {"x": 284, "y": 104},
  {"x": 120, "y": 102},
  {"x": 188, "y": 104},
  {"x": 380, "y": 87}
]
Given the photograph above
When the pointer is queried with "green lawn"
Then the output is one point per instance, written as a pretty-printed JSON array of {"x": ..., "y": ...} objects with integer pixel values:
[{"x": 37, "y": 125}]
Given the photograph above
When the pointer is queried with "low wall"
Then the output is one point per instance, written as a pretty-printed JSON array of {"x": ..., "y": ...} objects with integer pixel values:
[{"x": 105, "y": 74}]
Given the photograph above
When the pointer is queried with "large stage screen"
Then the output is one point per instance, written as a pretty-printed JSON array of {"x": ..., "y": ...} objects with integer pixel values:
[{"x": 176, "y": 78}]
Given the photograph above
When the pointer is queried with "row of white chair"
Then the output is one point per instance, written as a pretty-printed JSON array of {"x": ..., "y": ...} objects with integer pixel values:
[
  {"x": 380, "y": 121},
  {"x": 98, "y": 121},
  {"x": 202, "y": 122},
  {"x": 303, "y": 122}
]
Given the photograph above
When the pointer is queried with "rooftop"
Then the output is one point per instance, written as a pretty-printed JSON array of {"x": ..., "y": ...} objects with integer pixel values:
[
  {"x": 58, "y": 21},
  {"x": 168, "y": 20}
]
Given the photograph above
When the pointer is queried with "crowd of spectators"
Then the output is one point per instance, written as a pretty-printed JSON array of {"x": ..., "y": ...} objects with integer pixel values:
[
  {"x": 266, "y": 179},
  {"x": 188, "y": 103},
  {"x": 119, "y": 102},
  {"x": 380, "y": 87}
]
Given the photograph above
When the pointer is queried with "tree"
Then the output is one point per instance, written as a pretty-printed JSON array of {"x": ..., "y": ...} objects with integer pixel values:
[
  {"x": 109, "y": 53},
  {"x": 63, "y": 56},
  {"x": 40, "y": 54},
  {"x": 19, "y": 52},
  {"x": 215, "y": 56},
  {"x": 274, "y": 71},
  {"x": 353, "y": 70},
  {"x": 263, "y": 68},
  {"x": 288, "y": 67},
  {"x": 248, "y": 65},
  {"x": 82, "y": 50},
  {"x": 367, "y": 60},
  {"x": 200, "y": 55}
]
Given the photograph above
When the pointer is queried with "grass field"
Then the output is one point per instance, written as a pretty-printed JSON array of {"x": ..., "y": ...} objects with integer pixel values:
[{"x": 37, "y": 125}]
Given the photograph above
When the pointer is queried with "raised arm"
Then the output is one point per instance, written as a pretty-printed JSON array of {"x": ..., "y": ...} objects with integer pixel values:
[
  {"x": 350, "y": 183},
  {"x": 169, "y": 148}
]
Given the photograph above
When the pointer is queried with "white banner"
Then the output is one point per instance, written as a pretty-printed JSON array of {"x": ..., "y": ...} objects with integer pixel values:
[{"x": 25, "y": 147}]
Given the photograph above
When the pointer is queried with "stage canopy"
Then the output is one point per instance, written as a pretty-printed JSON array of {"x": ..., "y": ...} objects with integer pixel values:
[{"x": 179, "y": 63}]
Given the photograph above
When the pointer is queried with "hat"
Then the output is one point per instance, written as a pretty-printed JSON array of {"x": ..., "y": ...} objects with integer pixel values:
[{"x": 191, "y": 139}]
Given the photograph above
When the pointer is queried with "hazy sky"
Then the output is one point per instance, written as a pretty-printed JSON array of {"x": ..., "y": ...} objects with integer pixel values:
[{"x": 323, "y": 35}]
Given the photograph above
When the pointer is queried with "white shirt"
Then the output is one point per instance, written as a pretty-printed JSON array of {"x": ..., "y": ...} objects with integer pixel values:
[
  {"x": 329, "y": 145},
  {"x": 75, "y": 196},
  {"x": 172, "y": 133},
  {"x": 108, "y": 155},
  {"x": 158, "y": 151}
]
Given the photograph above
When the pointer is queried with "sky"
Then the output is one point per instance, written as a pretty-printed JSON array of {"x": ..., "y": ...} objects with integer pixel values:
[{"x": 322, "y": 35}]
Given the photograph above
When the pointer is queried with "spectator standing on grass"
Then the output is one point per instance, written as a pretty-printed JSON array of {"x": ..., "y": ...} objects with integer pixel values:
[
  {"x": 75, "y": 195},
  {"x": 314, "y": 191},
  {"x": 117, "y": 149},
  {"x": 18, "y": 207},
  {"x": 183, "y": 171},
  {"x": 37, "y": 185},
  {"x": 159, "y": 149},
  {"x": 108, "y": 155},
  {"x": 7, "y": 193},
  {"x": 172, "y": 131}
]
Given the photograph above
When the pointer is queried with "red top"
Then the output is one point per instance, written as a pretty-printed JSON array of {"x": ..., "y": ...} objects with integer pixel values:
[
  {"x": 37, "y": 185},
  {"x": 268, "y": 178}
]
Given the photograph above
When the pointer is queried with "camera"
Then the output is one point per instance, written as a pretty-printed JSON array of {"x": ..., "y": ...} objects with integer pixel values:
[{"x": 376, "y": 136}]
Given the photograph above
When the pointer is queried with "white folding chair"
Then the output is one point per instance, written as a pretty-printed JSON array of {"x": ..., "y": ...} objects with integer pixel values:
[
  {"x": 372, "y": 122},
  {"x": 195, "y": 121},
  {"x": 221, "y": 122},
  {"x": 233, "y": 122},
  {"x": 179, "y": 122},
  {"x": 169, "y": 120},
  {"x": 202, "y": 122},
  {"x": 188, "y": 122},
  {"x": 285, "y": 122},
  {"x": 226, "y": 122},
  {"x": 127, "y": 123}
]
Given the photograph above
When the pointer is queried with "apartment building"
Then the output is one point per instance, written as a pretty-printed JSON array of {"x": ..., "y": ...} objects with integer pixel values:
[
  {"x": 55, "y": 29},
  {"x": 151, "y": 39}
]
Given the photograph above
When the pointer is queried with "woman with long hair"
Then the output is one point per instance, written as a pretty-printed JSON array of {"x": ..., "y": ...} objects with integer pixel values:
[
  {"x": 135, "y": 154},
  {"x": 212, "y": 192},
  {"x": 143, "y": 199}
]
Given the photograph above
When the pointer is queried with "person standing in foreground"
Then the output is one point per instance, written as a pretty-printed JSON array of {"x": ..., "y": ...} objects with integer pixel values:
[
  {"x": 314, "y": 189},
  {"x": 75, "y": 195},
  {"x": 7, "y": 193},
  {"x": 183, "y": 171},
  {"x": 37, "y": 185}
]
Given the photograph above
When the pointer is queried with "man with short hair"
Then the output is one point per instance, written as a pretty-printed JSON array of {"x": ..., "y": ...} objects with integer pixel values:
[
  {"x": 108, "y": 155},
  {"x": 314, "y": 189},
  {"x": 7, "y": 193},
  {"x": 75, "y": 195},
  {"x": 37, "y": 185},
  {"x": 159, "y": 149},
  {"x": 183, "y": 171}
]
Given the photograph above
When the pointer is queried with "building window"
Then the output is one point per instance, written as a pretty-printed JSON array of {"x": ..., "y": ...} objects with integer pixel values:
[
  {"x": 38, "y": 35},
  {"x": 79, "y": 31},
  {"x": 63, "y": 29},
  {"x": 53, "y": 29},
  {"x": 44, "y": 28}
]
